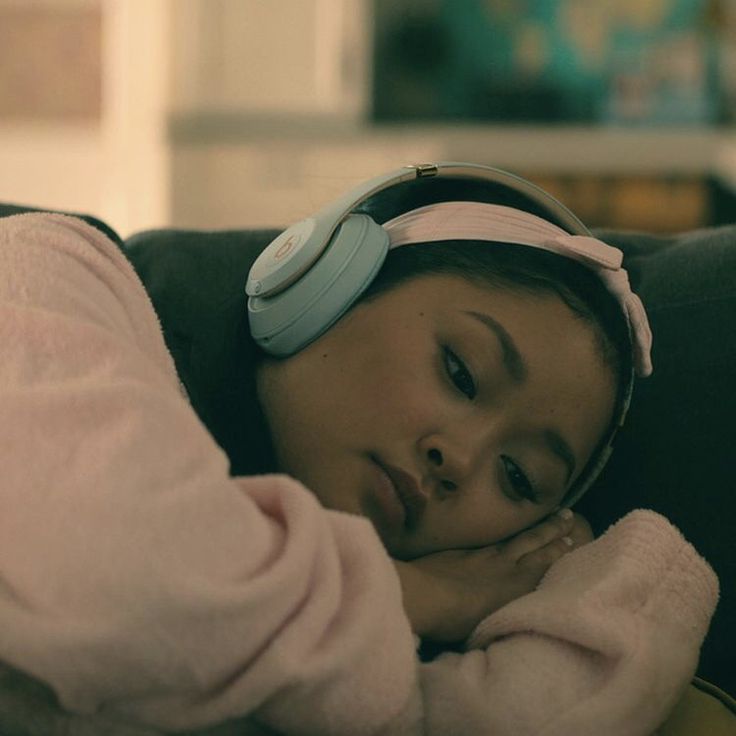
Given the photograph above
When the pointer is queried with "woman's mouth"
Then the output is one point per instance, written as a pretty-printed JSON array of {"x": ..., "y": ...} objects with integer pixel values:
[
  {"x": 399, "y": 496},
  {"x": 384, "y": 500}
]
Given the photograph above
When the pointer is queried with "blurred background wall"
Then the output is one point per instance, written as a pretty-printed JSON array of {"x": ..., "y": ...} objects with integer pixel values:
[{"x": 237, "y": 113}]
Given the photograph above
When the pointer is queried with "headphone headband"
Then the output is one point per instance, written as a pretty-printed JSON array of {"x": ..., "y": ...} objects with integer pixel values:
[{"x": 293, "y": 252}]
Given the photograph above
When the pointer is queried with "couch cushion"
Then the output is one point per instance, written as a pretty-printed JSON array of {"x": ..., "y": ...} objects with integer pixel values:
[
  {"x": 196, "y": 281},
  {"x": 675, "y": 453}
]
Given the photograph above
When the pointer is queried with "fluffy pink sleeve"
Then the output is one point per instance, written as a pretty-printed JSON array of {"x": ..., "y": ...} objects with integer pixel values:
[
  {"x": 604, "y": 646},
  {"x": 136, "y": 576},
  {"x": 141, "y": 582}
]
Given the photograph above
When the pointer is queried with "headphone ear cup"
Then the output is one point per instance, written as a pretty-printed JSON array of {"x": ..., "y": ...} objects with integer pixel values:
[{"x": 286, "y": 322}]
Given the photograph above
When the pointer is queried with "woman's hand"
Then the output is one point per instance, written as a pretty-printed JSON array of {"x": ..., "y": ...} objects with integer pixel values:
[{"x": 447, "y": 594}]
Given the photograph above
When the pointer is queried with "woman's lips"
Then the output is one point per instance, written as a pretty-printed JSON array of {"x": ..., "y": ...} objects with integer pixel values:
[
  {"x": 386, "y": 498},
  {"x": 406, "y": 490}
]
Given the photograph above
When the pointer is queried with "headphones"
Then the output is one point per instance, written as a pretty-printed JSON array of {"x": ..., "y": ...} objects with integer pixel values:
[{"x": 313, "y": 272}]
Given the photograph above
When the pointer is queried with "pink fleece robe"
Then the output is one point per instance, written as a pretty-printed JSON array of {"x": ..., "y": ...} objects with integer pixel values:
[{"x": 142, "y": 582}]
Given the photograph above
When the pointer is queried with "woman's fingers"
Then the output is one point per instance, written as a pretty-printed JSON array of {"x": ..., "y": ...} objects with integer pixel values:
[
  {"x": 544, "y": 557},
  {"x": 446, "y": 594},
  {"x": 581, "y": 531},
  {"x": 574, "y": 531},
  {"x": 554, "y": 527}
]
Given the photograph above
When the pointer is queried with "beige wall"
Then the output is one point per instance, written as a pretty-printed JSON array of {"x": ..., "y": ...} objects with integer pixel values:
[
  {"x": 136, "y": 64},
  {"x": 50, "y": 102},
  {"x": 218, "y": 113},
  {"x": 84, "y": 98},
  {"x": 284, "y": 57}
]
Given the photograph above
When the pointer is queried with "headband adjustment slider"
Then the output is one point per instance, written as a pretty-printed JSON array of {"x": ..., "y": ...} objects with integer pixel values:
[{"x": 425, "y": 170}]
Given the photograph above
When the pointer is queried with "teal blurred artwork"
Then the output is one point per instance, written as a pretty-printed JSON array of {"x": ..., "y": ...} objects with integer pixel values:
[{"x": 628, "y": 61}]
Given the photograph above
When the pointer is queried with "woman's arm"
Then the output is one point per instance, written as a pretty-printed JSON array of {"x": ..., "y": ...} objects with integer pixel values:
[{"x": 137, "y": 578}]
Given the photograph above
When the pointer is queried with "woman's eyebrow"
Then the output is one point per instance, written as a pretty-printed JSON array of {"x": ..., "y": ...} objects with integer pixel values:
[
  {"x": 517, "y": 369},
  {"x": 512, "y": 359}
]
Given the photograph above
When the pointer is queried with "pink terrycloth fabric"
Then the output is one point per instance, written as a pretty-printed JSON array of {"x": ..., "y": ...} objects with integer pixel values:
[{"x": 141, "y": 582}]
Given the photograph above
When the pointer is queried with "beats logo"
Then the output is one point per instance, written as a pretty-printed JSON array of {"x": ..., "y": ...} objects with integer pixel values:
[{"x": 286, "y": 247}]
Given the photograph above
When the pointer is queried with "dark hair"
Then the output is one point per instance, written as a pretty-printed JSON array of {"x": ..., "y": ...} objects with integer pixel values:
[{"x": 534, "y": 271}]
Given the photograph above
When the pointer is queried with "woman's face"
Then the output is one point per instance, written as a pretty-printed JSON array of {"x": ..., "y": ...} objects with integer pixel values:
[{"x": 450, "y": 414}]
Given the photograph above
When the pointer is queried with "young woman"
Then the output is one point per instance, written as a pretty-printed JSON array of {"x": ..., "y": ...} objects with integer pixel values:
[{"x": 426, "y": 431}]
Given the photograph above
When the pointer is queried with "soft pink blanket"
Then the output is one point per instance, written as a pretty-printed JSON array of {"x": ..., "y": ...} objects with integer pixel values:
[{"x": 142, "y": 582}]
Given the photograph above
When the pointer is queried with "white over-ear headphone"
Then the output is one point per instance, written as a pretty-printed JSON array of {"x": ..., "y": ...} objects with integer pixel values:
[{"x": 312, "y": 273}]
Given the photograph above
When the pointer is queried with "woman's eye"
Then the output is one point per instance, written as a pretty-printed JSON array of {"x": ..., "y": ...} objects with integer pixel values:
[
  {"x": 521, "y": 484},
  {"x": 459, "y": 374}
]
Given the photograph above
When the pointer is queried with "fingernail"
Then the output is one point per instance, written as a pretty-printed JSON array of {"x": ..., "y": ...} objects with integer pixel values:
[
  {"x": 565, "y": 514},
  {"x": 568, "y": 541}
]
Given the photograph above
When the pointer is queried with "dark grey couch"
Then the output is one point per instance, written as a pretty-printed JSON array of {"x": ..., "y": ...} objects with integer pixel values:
[{"x": 676, "y": 454}]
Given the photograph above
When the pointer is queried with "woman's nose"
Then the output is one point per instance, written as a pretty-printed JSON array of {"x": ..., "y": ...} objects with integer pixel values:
[
  {"x": 438, "y": 467},
  {"x": 452, "y": 462}
]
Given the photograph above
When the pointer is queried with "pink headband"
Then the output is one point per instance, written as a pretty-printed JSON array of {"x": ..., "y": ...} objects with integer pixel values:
[{"x": 497, "y": 223}]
